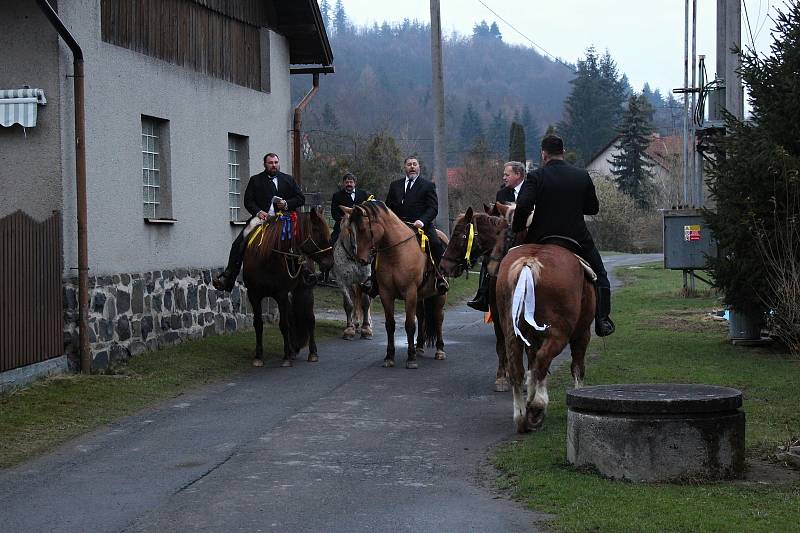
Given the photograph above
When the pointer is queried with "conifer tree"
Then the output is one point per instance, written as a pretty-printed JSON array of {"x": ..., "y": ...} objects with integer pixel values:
[
  {"x": 753, "y": 182},
  {"x": 516, "y": 143},
  {"x": 325, "y": 11},
  {"x": 471, "y": 128},
  {"x": 340, "y": 18},
  {"x": 497, "y": 134},
  {"x": 631, "y": 167}
]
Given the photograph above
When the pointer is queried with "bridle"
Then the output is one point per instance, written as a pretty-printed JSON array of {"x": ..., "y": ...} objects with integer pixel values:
[
  {"x": 305, "y": 252},
  {"x": 373, "y": 249}
]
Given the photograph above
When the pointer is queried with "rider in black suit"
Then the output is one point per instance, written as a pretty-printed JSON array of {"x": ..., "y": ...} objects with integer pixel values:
[
  {"x": 562, "y": 195},
  {"x": 266, "y": 193},
  {"x": 347, "y": 196},
  {"x": 513, "y": 178},
  {"x": 414, "y": 200}
]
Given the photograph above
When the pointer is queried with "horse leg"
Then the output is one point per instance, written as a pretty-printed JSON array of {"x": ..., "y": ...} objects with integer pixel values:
[
  {"x": 501, "y": 380},
  {"x": 388, "y": 313},
  {"x": 515, "y": 371},
  {"x": 411, "y": 326},
  {"x": 438, "y": 317},
  {"x": 366, "y": 314},
  {"x": 578, "y": 345},
  {"x": 347, "y": 303},
  {"x": 539, "y": 365},
  {"x": 283, "y": 311},
  {"x": 258, "y": 325},
  {"x": 311, "y": 324},
  {"x": 419, "y": 350}
]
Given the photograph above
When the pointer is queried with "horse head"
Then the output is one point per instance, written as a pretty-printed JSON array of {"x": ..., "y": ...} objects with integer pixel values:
[
  {"x": 316, "y": 244},
  {"x": 365, "y": 231},
  {"x": 474, "y": 235}
]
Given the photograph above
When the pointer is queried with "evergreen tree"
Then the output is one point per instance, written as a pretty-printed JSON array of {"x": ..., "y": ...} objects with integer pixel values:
[
  {"x": 595, "y": 105},
  {"x": 494, "y": 32},
  {"x": 516, "y": 143},
  {"x": 754, "y": 183},
  {"x": 471, "y": 127},
  {"x": 529, "y": 124},
  {"x": 340, "y": 22},
  {"x": 497, "y": 134},
  {"x": 631, "y": 167},
  {"x": 481, "y": 30},
  {"x": 325, "y": 11},
  {"x": 329, "y": 117}
]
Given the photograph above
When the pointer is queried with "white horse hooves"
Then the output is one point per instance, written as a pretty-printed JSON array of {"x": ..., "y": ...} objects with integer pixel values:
[
  {"x": 313, "y": 358},
  {"x": 440, "y": 355},
  {"x": 501, "y": 385},
  {"x": 388, "y": 363},
  {"x": 258, "y": 362}
]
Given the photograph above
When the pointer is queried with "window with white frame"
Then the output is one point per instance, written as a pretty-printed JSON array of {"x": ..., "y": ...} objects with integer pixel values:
[
  {"x": 156, "y": 201},
  {"x": 151, "y": 167},
  {"x": 237, "y": 173}
]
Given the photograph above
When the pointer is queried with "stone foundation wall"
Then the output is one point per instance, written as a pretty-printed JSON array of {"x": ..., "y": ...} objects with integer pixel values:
[{"x": 130, "y": 313}]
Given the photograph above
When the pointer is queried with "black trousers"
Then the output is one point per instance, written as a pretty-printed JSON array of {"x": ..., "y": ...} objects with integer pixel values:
[{"x": 592, "y": 256}]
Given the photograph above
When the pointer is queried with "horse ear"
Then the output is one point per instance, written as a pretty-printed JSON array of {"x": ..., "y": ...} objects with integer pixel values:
[
  {"x": 487, "y": 209},
  {"x": 468, "y": 215},
  {"x": 347, "y": 210},
  {"x": 502, "y": 208},
  {"x": 320, "y": 209}
]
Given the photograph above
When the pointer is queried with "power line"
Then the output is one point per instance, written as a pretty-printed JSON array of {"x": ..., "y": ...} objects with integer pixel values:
[
  {"x": 554, "y": 58},
  {"x": 749, "y": 30}
]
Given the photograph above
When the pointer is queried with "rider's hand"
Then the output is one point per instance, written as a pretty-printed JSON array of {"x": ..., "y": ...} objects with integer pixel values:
[
  {"x": 262, "y": 215},
  {"x": 418, "y": 224},
  {"x": 282, "y": 204}
]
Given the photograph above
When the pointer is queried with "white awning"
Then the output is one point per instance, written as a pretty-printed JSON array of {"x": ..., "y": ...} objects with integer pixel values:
[{"x": 18, "y": 106}]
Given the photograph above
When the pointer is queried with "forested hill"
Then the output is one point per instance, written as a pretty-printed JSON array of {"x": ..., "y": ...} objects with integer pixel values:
[{"x": 383, "y": 79}]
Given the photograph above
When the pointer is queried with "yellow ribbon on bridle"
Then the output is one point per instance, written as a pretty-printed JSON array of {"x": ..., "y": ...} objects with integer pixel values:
[
  {"x": 470, "y": 238},
  {"x": 256, "y": 232}
]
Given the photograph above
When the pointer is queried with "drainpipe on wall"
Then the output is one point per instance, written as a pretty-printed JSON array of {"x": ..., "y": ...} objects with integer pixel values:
[
  {"x": 80, "y": 183},
  {"x": 296, "y": 141}
]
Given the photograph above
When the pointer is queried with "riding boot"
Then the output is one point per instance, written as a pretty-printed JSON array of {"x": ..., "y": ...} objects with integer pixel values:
[
  {"x": 437, "y": 251},
  {"x": 481, "y": 302},
  {"x": 227, "y": 280},
  {"x": 603, "y": 325}
]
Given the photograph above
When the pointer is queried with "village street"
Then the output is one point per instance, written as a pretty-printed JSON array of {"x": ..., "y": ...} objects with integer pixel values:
[{"x": 341, "y": 445}]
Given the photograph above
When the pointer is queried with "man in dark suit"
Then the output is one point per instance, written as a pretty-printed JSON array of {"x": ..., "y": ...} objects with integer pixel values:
[
  {"x": 414, "y": 200},
  {"x": 267, "y": 193},
  {"x": 347, "y": 196},
  {"x": 562, "y": 195},
  {"x": 513, "y": 178}
]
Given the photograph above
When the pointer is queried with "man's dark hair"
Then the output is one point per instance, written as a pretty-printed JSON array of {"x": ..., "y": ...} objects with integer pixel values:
[
  {"x": 410, "y": 157},
  {"x": 349, "y": 175},
  {"x": 553, "y": 145},
  {"x": 271, "y": 155}
]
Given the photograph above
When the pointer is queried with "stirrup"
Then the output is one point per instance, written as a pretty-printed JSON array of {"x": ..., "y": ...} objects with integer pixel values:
[{"x": 604, "y": 327}]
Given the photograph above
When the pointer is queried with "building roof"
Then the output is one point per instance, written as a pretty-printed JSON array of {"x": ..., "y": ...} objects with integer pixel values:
[
  {"x": 300, "y": 21},
  {"x": 662, "y": 149}
]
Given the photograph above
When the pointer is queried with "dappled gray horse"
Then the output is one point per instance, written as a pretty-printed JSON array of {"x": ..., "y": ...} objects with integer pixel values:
[{"x": 349, "y": 275}]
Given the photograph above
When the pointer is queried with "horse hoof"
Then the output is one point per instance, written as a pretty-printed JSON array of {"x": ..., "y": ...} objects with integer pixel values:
[
  {"x": 286, "y": 363},
  {"x": 522, "y": 424},
  {"x": 420, "y": 352},
  {"x": 535, "y": 418},
  {"x": 313, "y": 358},
  {"x": 501, "y": 385},
  {"x": 412, "y": 364},
  {"x": 348, "y": 334},
  {"x": 258, "y": 362},
  {"x": 440, "y": 355},
  {"x": 388, "y": 363},
  {"x": 366, "y": 336}
]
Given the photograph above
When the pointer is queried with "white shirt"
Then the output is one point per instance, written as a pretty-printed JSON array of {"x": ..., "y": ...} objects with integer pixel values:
[
  {"x": 516, "y": 190},
  {"x": 271, "y": 204}
]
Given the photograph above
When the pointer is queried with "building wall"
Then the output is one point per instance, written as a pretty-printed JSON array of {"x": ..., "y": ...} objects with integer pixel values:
[
  {"x": 121, "y": 86},
  {"x": 30, "y": 158}
]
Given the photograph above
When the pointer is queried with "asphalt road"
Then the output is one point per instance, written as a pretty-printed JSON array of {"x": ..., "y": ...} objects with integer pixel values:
[{"x": 339, "y": 445}]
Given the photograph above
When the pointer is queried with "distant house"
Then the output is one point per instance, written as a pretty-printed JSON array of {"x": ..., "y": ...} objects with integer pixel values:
[
  {"x": 183, "y": 99},
  {"x": 665, "y": 152}
]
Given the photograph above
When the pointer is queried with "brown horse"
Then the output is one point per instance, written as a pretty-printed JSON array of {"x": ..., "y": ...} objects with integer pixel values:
[
  {"x": 460, "y": 255},
  {"x": 560, "y": 297},
  {"x": 275, "y": 265},
  {"x": 403, "y": 271}
]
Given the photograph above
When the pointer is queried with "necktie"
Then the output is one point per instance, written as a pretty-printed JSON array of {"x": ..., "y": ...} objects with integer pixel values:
[
  {"x": 353, "y": 196},
  {"x": 409, "y": 183},
  {"x": 514, "y": 190}
]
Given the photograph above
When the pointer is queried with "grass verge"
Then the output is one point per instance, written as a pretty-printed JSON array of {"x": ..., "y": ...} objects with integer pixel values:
[{"x": 662, "y": 337}]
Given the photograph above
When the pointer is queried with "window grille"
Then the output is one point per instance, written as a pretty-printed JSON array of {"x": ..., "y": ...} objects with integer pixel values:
[
  {"x": 151, "y": 168},
  {"x": 234, "y": 178}
]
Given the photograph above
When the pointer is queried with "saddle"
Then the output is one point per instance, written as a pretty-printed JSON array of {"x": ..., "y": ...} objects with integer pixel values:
[{"x": 573, "y": 246}]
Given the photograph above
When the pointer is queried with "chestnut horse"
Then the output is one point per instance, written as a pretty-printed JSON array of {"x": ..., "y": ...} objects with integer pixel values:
[
  {"x": 461, "y": 254},
  {"x": 403, "y": 271},
  {"x": 544, "y": 301},
  {"x": 275, "y": 265}
]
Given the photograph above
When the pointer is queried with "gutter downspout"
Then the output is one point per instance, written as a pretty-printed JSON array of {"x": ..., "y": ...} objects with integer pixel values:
[
  {"x": 80, "y": 183},
  {"x": 296, "y": 171}
]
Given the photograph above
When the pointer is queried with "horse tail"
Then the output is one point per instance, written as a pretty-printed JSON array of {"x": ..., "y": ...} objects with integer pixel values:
[
  {"x": 429, "y": 326},
  {"x": 302, "y": 305},
  {"x": 523, "y": 304}
]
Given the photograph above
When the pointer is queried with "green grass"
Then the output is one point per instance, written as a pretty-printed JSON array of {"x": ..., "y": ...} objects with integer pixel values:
[
  {"x": 51, "y": 411},
  {"x": 662, "y": 337}
]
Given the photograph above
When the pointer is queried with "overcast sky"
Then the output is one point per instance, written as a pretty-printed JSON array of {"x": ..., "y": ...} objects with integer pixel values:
[{"x": 646, "y": 38}]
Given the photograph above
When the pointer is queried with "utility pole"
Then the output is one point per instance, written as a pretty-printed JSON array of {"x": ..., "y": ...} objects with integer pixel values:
[{"x": 439, "y": 160}]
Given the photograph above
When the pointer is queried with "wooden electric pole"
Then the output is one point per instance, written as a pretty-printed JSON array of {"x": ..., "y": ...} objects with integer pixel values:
[{"x": 439, "y": 159}]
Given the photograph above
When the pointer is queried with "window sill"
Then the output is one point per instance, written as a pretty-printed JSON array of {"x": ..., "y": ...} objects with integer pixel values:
[
  {"x": 159, "y": 221},
  {"x": 238, "y": 222}
]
